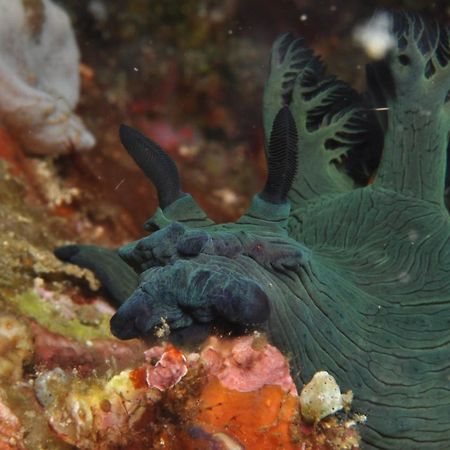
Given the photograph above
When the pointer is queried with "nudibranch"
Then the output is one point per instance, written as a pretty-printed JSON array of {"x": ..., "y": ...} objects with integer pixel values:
[{"x": 351, "y": 280}]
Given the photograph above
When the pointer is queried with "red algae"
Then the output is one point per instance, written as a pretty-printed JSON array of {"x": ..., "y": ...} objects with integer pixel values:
[{"x": 139, "y": 377}]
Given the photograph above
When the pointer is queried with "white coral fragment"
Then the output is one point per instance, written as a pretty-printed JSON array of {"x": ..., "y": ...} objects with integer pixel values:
[
  {"x": 39, "y": 77},
  {"x": 320, "y": 398}
]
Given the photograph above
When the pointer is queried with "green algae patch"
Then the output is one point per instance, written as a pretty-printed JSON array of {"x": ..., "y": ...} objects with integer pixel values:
[{"x": 88, "y": 323}]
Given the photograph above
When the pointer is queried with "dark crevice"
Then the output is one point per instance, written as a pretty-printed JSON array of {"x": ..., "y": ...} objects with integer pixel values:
[{"x": 404, "y": 60}]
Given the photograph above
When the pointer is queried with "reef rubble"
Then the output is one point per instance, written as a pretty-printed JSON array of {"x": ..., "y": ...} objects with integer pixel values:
[{"x": 179, "y": 400}]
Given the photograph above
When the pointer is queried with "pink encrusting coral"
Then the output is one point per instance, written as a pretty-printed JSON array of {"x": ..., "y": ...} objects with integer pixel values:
[
  {"x": 243, "y": 364},
  {"x": 39, "y": 78},
  {"x": 170, "y": 368},
  {"x": 247, "y": 364}
]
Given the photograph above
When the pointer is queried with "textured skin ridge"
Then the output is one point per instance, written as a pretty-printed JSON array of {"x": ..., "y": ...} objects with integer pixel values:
[
  {"x": 342, "y": 325},
  {"x": 388, "y": 268},
  {"x": 352, "y": 280}
]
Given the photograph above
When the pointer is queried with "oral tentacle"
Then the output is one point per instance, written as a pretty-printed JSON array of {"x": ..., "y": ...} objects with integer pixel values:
[{"x": 117, "y": 277}]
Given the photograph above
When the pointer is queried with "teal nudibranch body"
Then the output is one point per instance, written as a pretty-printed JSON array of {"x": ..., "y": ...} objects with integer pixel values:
[{"x": 349, "y": 279}]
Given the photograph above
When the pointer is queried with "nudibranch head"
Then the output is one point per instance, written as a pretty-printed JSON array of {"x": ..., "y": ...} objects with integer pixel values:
[{"x": 194, "y": 272}]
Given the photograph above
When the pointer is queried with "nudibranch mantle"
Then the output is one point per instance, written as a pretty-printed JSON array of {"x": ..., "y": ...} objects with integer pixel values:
[{"x": 351, "y": 280}]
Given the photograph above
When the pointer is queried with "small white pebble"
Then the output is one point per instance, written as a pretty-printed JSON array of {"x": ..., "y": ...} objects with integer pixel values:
[{"x": 320, "y": 398}]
